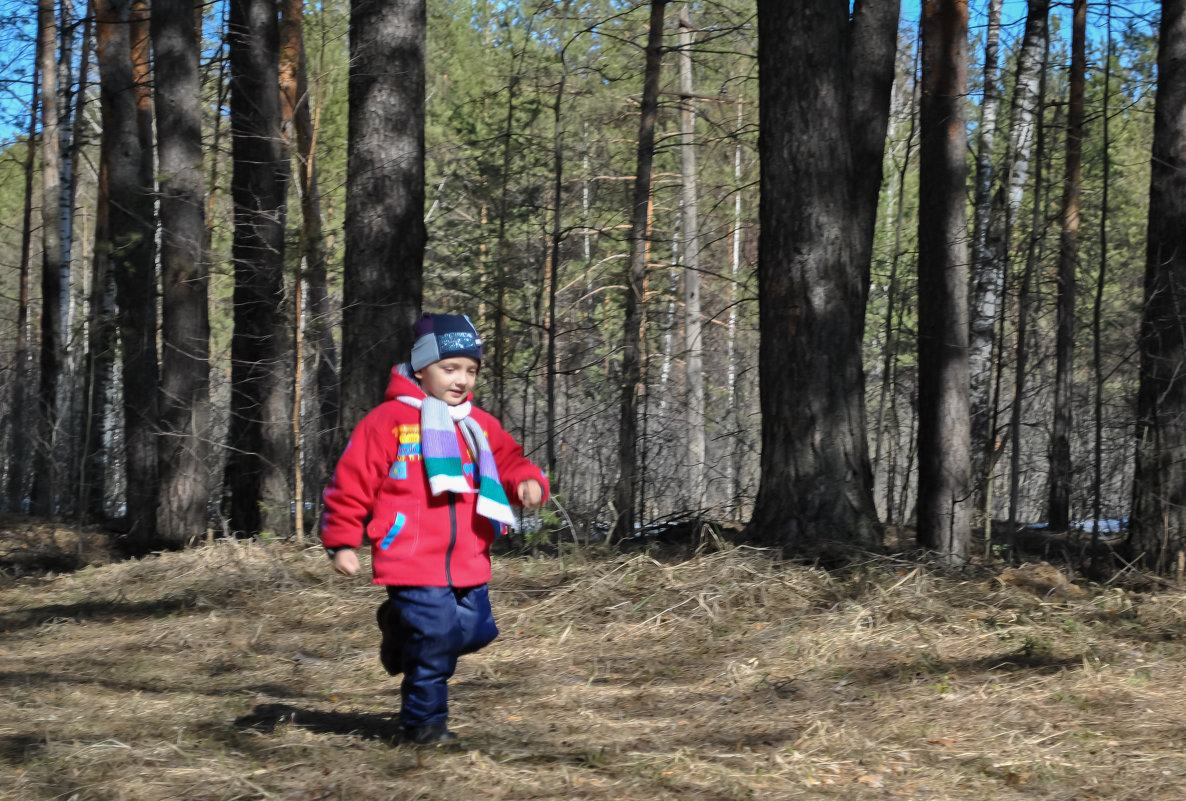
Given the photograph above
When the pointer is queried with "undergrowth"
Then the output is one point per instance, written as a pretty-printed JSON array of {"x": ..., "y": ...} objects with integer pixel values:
[{"x": 249, "y": 671}]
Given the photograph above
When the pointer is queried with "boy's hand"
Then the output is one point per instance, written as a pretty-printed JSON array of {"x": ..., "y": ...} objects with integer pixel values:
[
  {"x": 531, "y": 494},
  {"x": 346, "y": 562}
]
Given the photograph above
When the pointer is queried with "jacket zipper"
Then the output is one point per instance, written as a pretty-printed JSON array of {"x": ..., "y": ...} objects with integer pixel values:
[{"x": 452, "y": 539}]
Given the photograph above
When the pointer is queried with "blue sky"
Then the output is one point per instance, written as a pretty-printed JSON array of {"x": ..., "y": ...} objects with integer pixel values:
[{"x": 17, "y": 27}]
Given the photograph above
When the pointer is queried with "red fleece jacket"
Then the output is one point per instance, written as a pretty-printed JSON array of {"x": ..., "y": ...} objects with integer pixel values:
[{"x": 380, "y": 486}]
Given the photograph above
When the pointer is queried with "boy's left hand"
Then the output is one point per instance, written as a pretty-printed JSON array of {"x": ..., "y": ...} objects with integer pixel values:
[{"x": 531, "y": 494}]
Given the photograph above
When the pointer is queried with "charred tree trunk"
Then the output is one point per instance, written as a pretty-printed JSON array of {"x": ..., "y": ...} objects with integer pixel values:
[
  {"x": 1157, "y": 531},
  {"x": 383, "y": 282},
  {"x": 823, "y": 121},
  {"x": 131, "y": 258},
  {"x": 944, "y": 505},
  {"x": 44, "y": 493},
  {"x": 185, "y": 324},
  {"x": 257, "y": 476}
]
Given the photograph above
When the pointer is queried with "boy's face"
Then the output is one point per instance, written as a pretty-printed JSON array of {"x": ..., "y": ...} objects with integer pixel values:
[{"x": 450, "y": 380}]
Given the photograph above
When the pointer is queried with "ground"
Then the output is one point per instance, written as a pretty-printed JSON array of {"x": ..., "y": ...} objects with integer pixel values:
[{"x": 250, "y": 671}]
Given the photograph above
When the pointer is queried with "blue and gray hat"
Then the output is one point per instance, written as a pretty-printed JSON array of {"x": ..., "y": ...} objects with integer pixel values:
[{"x": 440, "y": 336}]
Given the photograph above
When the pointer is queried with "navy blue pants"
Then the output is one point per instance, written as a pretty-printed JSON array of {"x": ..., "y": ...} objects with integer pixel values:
[{"x": 436, "y": 625}]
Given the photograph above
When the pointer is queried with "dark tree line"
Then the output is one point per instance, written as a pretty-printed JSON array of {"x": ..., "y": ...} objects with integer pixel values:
[{"x": 605, "y": 293}]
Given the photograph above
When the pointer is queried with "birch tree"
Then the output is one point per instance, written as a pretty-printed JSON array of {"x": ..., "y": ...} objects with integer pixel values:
[
  {"x": 993, "y": 248},
  {"x": 697, "y": 465}
]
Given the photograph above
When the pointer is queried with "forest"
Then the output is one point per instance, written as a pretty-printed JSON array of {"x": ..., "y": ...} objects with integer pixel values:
[{"x": 832, "y": 279}]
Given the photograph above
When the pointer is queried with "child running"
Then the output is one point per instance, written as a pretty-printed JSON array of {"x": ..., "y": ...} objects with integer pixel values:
[{"x": 430, "y": 479}]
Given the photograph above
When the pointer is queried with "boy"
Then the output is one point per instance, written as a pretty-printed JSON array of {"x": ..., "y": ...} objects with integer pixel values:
[{"x": 428, "y": 477}]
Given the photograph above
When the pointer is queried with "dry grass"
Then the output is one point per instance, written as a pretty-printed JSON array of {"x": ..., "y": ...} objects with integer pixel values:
[{"x": 247, "y": 671}]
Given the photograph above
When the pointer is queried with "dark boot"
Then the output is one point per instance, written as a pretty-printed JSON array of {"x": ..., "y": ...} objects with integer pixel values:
[
  {"x": 432, "y": 734},
  {"x": 392, "y": 646}
]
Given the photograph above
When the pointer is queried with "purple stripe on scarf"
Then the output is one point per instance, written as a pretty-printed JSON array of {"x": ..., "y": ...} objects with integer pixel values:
[{"x": 436, "y": 441}]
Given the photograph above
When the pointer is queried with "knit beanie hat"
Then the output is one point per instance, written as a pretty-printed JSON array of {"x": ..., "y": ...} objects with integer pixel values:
[{"x": 440, "y": 336}]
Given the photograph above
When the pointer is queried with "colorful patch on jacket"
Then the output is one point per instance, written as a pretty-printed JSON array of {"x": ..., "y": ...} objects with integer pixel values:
[
  {"x": 394, "y": 531},
  {"x": 399, "y": 469},
  {"x": 409, "y": 441}
]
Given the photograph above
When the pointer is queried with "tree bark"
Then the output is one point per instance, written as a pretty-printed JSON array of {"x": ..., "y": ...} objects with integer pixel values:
[
  {"x": 18, "y": 466},
  {"x": 1061, "y": 476},
  {"x": 259, "y": 439},
  {"x": 823, "y": 121},
  {"x": 131, "y": 258},
  {"x": 635, "y": 279},
  {"x": 100, "y": 359},
  {"x": 1101, "y": 285},
  {"x": 984, "y": 291},
  {"x": 317, "y": 333},
  {"x": 697, "y": 458},
  {"x": 383, "y": 282},
  {"x": 944, "y": 506},
  {"x": 1157, "y": 530},
  {"x": 183, "y": 448},
  {"x": 44, "y": 493},
  {"x": 994, "y": 247}
]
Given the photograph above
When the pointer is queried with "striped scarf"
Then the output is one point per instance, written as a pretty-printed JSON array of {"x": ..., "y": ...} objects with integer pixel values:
[{"x": 442, "y": 456}]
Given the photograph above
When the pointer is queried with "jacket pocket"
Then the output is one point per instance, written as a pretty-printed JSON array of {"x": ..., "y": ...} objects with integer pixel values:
[{"x": 394, "y": 529}]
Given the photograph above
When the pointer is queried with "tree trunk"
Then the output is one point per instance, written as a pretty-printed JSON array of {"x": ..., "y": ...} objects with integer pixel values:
[
  {"x": 100, "y": 359},
  {"x": 556, "y": 237},
  {"x": 994, "y": 245},
  {"x": 131, "y": 256},
  {"x": 18, "y": 465},
  {"x": 1097, "y": 356},
  {"x": 886, "y": 403},
  {"x": 1021, "y": 357},
  {"x": 1061, "y": 476},
  {"x": 817, "y": 218},
  {"x": 383, "y": 281},
  {"x": 44, "y": 494},
  {"x": 944, "y": 508},
  {"x": 635, "y": 279},
  {"x": 260, "y": 424},
  {"x": 697, "y": 458},
  {"x": 1157, "y": 530},
  {"x": 90, "y": 489},
  {"x": 318, "y": 335},
  {"x": 732, "y": 393},
  {"x": 185, "y": 324},
  {"x": 985, "y": 298}
]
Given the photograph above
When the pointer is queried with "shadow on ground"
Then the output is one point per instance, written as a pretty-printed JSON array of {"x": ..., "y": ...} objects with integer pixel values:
[{"x": 266, "y": 717}]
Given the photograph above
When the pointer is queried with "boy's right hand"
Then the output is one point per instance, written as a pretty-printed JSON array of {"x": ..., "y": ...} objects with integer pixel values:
[{"x": 346, "y": 562}]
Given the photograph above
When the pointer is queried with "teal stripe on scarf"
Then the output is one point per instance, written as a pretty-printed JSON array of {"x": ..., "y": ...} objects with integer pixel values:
[{"x": 442, "y": 455}]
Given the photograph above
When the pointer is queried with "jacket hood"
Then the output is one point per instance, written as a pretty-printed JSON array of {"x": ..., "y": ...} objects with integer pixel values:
[{"x": 403, "y": 382}]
